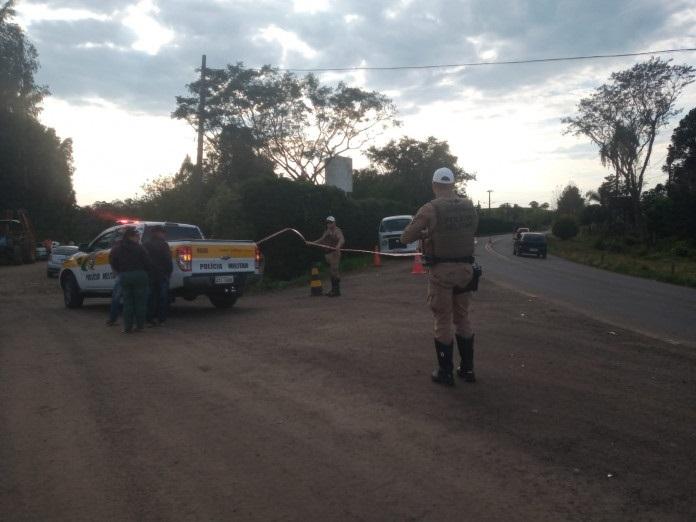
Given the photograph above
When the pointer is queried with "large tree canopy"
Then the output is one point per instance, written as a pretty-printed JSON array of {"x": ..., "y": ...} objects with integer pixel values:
[
  {"x": 681, "y": 155},
  {"x": 623, "y": 117},
  {"x": 403, "y": 171},
  {"x": 18, "y": 63},
  {"x": 35, "y": 165},
  {"x": 295, "y": 122}
]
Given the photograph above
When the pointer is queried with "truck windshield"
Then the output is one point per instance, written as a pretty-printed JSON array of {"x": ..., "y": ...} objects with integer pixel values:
[
  {"x": 175, "y": 233},
  {"x": 395, "y": 225}
]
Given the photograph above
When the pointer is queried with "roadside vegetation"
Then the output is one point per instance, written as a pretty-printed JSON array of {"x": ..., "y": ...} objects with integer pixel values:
[
  {"x": 667, "y": 263},
  {"x": 622, "y": 226}
]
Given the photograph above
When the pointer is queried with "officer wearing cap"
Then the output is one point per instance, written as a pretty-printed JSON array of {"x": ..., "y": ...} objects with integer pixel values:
[
  {"x": 448, "y": 223},
  {"x": 333, "y": 237}
]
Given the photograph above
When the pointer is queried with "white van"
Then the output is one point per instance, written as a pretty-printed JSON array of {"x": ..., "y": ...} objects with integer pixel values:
[{"x": 390, "y": 230}]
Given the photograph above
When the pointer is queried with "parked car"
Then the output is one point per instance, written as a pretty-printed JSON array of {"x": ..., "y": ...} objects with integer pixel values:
[
  {"x": 55, "y": 260},
  {"x": 531, "y": 243},
  {"x": 41, "y": 252},
  {"x": 518, "y": 233},
  {"x": 390, "y": 230}
]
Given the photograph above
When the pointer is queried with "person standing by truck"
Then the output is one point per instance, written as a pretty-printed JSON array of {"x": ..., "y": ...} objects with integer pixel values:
[
  {"x": 333, "y": 238},
  {"x": 160, "y": 272},
  {"x": 132, "y": 263}
]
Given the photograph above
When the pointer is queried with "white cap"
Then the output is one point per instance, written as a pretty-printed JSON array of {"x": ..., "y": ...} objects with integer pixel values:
[
  {"x": 443, "y": 175},
  {"x": 331, "y": 218}
]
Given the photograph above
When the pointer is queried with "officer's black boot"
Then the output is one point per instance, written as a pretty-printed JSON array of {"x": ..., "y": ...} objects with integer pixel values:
[
  {"x": 466, "y": 350},
  {"x": 335, "y": 287},
  {"x": 443, "y": 374}
]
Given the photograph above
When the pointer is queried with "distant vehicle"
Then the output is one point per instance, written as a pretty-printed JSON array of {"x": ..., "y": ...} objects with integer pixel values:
[
  {"x": 41, "y": 252},
  {"x": 390, "y": 230},
  {"x": 531, "y": 243},
  {"x": 217, "y": 268},
  {"x": 17, "y": 238},
  {"x": 56, "y": 258},
  {"x": 517, "y": 233}
]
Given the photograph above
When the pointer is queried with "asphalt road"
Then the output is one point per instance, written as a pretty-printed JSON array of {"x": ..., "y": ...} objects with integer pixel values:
[
  {"x": 294, "y": 408},
  {"x": 660, "y": 310}
]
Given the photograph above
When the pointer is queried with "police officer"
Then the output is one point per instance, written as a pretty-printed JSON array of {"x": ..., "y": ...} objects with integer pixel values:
[
  {"x": 447, "y": 224},
  {"x": 333, "y": 237}
]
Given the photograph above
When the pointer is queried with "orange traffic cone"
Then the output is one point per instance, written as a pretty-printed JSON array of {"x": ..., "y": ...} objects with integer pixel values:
[
  {"x": 417, "y": 265},
  {"x": 376, "y": 258}
]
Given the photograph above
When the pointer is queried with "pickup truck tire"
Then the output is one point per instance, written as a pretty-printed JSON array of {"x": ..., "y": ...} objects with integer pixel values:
[
  {"x": 71, "y": 292},
  {"x": 223, "y": 301}
]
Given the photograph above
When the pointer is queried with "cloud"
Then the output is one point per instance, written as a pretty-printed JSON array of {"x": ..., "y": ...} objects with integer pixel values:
[{"x": 140, "y": 54}]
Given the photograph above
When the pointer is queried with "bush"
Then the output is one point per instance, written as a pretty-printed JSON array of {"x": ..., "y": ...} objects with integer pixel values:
[
  {"x": 599, "y": 244},
  {"x": 272, "y": 205},
  {"x": 565, "y": 227}
]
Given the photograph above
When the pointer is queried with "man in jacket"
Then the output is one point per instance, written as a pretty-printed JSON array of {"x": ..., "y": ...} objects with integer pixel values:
[
  {"x": 449, "y": 224},
  {"x": 160, "y": 272},
  {"x": 131, "y": 261}
]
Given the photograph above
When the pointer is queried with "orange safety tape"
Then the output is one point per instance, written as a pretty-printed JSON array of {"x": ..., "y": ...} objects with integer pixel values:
[{"x": 312, "y": 243}]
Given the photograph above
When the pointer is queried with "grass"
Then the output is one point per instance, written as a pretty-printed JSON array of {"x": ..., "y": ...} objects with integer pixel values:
[
  {"x": 350, "y": 263},
  {"x": 636, "y": 260}
]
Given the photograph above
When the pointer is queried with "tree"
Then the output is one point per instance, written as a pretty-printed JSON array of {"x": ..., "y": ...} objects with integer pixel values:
[
  {"x": 681, "y": 169},
  {"x": 296, "y": 123},
  {"x": 681, "y": 155},
  {"x": 403, "y": 171},
  {"x": 36, "y": 165},
  {"x": 544, "y": 206},
  {"x": 624, "y": 116},
  {"x": 534, "y": 204},
  {"x": 19, "y": 93},
  {"x": 570, "y": 202}
]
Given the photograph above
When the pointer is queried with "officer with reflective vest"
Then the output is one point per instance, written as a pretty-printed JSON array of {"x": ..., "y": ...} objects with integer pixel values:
[{"x": 447, "y": 226}]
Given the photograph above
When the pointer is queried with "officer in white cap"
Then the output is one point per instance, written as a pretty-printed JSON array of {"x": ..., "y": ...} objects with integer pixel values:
[
  {"x": 448, "y": 224},
  {"x": 333, "y": 237}
]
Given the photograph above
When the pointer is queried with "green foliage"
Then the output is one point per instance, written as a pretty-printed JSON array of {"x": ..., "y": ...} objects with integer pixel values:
[
  {"x": 623, "y": 117},
  {"x": 403, "y": 171},
  {"x": 565, "y": 228},
  {"x": 19, "y": 93},
  {"x": 570, "y": 202},
  {"x": 271, "y": 205},
  {"x": 296, "y": 123},
  {"x": 36, "y": 165}
]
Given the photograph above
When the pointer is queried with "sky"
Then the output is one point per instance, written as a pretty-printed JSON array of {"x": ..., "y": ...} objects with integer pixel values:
[{"x": 114, "y": 68}]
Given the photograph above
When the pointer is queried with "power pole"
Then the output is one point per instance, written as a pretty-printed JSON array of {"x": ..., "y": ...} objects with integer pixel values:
[
  {"x": 201, "y": 122},
  {"x": 489, "y": 199}
]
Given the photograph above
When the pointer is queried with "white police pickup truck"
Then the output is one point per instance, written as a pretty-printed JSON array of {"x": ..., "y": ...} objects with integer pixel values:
[{"x": 219, "y": 269}]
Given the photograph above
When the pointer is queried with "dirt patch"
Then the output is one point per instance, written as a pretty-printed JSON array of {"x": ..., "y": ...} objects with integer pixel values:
[{"x": 290, "y": 407}]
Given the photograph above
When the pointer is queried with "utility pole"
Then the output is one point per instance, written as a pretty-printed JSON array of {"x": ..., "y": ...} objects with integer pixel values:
[
  {"x": 201, "y": 122},
  {"x": 489, "y": 199}
]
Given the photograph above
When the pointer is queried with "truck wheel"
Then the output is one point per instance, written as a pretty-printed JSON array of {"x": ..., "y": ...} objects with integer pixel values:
[
  {"x": 71, "y": 292},
  {"x": 223, "y": 301}
]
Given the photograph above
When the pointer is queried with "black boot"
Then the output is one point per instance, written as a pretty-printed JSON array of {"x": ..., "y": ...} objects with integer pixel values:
[
  {"x": 443, "y": 374},
  {"x": 466, "y": 350},
  {"x": 335, "y": 287}
]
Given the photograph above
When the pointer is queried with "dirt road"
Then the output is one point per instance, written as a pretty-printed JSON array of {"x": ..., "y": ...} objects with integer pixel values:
[{"x": 297, "y": 408}]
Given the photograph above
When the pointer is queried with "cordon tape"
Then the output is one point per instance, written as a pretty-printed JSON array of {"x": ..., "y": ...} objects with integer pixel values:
[{"x": 326, "y": 247}]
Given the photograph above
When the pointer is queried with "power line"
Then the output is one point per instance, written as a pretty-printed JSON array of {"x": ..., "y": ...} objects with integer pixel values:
[{"x": 477, "y": 64}]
